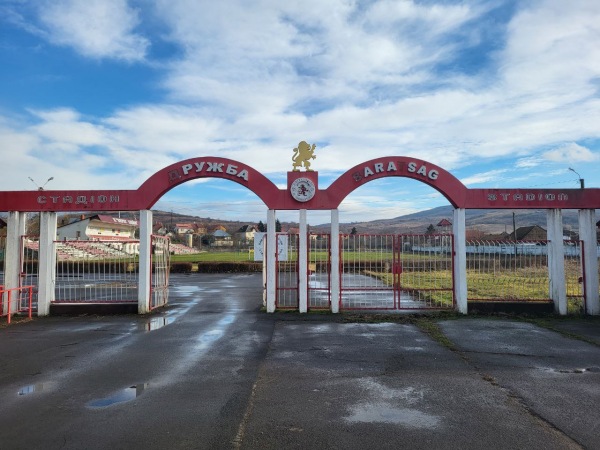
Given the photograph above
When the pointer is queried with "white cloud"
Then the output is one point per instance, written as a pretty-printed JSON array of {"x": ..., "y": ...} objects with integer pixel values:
[
  {"x": 95, "y": 28},
  {"x": 485, "y": 177},
  {"x": 572, "y": 152}
]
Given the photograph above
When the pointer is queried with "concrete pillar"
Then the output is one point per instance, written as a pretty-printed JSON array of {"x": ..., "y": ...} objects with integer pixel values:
[
  {"x": 334, "y": 270},
  {"x": 303, "y": 264},
  {"x": 145, "y": 268},
  {"x": 13, "y": 254},
  {"x": 46, "y": 262},
  {"x": 460, "y": 260},
  {"x": 556, "y": 261},
  {"x": 271, "y": 255},
  {"x": 587, "y": 234}
]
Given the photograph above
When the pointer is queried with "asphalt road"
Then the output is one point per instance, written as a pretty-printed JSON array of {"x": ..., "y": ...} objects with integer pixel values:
[{"x": 213, "y": 371}]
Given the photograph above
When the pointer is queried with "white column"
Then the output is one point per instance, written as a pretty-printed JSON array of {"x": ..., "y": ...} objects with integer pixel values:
[
  {"x": 271, "y": 255},
  {"x": 460, "y": 260},
  {"x": 587, "y": 234},
  {"x": 334, "y": 274},
  {"x": 145, "y": 269},
  {"x": 556, "y": 261},
  {"x": 303, "y": 264},
  {"x": 14, "y": 251},
  {"x": 46, "y": 262}
]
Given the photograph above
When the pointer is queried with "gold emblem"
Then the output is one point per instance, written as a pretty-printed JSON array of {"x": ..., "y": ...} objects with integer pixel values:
[{"x": 302, "y": 154}]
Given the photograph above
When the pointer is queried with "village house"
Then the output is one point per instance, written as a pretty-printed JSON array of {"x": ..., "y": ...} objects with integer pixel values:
[{"x": 98, "y": 227}]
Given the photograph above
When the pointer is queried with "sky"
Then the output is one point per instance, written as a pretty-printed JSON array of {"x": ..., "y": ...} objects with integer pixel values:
[{"x": 101, "y": 94}]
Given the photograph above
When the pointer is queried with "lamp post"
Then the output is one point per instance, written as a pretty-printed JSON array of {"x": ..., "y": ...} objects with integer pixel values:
[
  {"x": 581, "y": 181},
  {"x": 41, "y": 188}
]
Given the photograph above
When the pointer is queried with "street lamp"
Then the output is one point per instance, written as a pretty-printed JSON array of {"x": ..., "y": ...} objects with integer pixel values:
[
  {"x": 581, "y": 182},
  {"x": 41, "y": 188}
]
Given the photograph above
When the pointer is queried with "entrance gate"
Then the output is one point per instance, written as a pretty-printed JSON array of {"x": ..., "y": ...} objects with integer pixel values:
[
  {"x": 98, "y": 272},
  {"x": 396, "y": 272},
  {"x": 377, "y": 272}
]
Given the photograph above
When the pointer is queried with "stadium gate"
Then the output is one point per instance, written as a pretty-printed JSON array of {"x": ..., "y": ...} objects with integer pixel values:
[
  {"x": 399, "y": 267},
  {"x": 376, "y": 272}
]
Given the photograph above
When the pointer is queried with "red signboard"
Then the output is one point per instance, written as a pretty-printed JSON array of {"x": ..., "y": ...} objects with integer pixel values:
[{"x": 302, "y": 191}]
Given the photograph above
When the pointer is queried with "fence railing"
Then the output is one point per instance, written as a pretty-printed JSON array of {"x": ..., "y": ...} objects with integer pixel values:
[
  {"x": 96, "y": 271},
  {"x": 160, "y": 263},
  {"x": 287, "y": 271},
  {"x": 24, "y": 301},
  {"x": 2, "y": 254},
  {"x": 507, "y": 271}
]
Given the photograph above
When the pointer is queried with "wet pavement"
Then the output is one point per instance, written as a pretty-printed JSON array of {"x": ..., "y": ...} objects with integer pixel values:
[{"x": 213, "y": 371}]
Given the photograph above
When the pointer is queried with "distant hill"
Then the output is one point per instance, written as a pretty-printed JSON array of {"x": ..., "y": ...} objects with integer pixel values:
[
  {"x": 492, "y": 221},
  {"x": 489, "y": 221}
]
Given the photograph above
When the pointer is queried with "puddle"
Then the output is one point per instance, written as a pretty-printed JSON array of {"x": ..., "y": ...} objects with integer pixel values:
[
  {"x": 156, "y": 323},
  {"x": 122, "y": 396},
  {"x": 207, "y": 338},
  {"x": 385, "y": 413},
  {"x": 26, "y": 390}
]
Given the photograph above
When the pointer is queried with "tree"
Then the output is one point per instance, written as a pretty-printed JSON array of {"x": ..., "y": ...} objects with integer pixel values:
[
  {"x": 430, "y": 229},
  {"x": 353, "y": 231},
  {"x": 277, "y": 226},
  {"x": 261, "y": 227}
]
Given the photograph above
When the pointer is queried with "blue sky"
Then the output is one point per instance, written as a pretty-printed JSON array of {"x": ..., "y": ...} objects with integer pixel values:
[{"x": 104, "y": 93}]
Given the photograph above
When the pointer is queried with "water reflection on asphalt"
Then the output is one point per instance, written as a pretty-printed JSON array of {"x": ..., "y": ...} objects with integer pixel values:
[{"x": 124, "y": 395}]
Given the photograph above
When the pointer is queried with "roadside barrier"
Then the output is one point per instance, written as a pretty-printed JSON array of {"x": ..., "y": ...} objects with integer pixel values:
[{"x": 25, "y": 295}]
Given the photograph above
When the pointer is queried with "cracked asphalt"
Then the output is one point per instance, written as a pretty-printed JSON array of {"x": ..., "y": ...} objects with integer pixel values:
[{"x": 214, "y": 371}]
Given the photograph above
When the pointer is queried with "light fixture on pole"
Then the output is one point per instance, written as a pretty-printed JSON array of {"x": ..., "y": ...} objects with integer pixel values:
[
  {"x": 581, "y": 182},
  {"x": 41, "y": 188}
]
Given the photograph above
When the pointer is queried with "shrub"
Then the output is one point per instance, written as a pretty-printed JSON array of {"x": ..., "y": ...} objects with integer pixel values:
[{"x": 181, "y": 267}]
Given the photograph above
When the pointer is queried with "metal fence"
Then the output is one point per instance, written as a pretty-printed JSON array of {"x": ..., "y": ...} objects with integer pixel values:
[
  {"x": 319, "y": 271},
  {"x": 96, "y": 272},
  {"x": 23, "y": 298},
  {"x": 287, "y": 271},
  {"x": 161, "y": 262},
  {"x": 507, "y": 271},
  {"x": 2, "y": 253},
  {"x": 30, "y": 247},
  {"x": 383, "y": 272},
  {"x": 574, "y": 276}
]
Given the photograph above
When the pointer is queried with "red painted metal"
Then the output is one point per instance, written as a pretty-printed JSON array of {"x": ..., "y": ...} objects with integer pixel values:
[
  {"x": 280, "y": 199},
  {"x": 8, "y": 292}
]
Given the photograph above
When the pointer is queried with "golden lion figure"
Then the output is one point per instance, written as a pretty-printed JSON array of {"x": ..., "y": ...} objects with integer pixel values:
[{"x": 302, "y": 154}]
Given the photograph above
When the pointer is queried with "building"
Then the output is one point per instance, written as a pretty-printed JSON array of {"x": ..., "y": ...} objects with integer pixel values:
[
  {"x": 245, "y": 235},
  {"x": 99, "y": 227},
  {"x": 220, "y": 238},
  {"x": 531, "y": 233},
  {"x": 189, "y": 228}
]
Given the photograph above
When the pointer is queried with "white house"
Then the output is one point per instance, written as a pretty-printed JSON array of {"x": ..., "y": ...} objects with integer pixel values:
[{"x": 99, "y": 227}]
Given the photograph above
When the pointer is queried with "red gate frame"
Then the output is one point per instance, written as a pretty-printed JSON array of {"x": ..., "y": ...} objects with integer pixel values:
[{"x": 275, "y": 198}]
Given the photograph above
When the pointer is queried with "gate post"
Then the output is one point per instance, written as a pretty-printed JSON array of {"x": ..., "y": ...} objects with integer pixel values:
[
  {"x": 46, "y": 262},
  {"x": 334, "y": 260},
  {"x": 145, "y": 267},
  {"x": 303, "y": 264},
  {"x": 14, "y": 251},
  {"x": 271, "y": 258},
  {"x": 587, "y": 234},
  {"x": 460, "y": 260},
  {"x": 556, "y": 261}
]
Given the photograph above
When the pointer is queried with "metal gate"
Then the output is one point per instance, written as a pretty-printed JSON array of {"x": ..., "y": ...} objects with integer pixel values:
[
  {"x": 96, "y": 271},
  {"x": 396, "y": 272},
  {"x": 28, "y": 276},
  {"x": 319, "y": 271},
  {"x": 161, "y": 263},
  {"x": 286, "y": 267}
]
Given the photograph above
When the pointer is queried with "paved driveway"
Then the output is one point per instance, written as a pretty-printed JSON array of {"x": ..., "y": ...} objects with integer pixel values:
[{"x": 213, "y": 371}]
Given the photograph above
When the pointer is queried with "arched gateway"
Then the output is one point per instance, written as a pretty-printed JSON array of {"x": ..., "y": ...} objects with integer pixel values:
[{"x": 303, "y": 194}]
